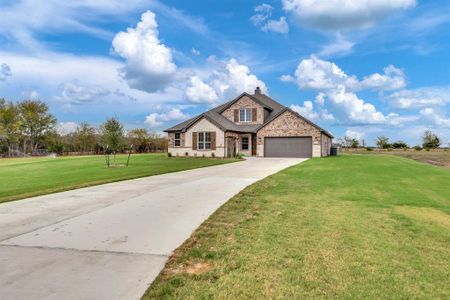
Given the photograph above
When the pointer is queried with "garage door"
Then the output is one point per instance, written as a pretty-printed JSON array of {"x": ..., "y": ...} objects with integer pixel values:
[{"x": 288, "y": 147}]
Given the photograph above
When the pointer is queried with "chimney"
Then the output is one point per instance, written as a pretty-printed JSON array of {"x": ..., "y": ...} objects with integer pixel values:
[{"x": 258, "y": 91}]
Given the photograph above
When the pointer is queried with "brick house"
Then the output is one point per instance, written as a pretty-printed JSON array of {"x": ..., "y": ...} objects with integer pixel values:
[{"x": 254, "y": 125}]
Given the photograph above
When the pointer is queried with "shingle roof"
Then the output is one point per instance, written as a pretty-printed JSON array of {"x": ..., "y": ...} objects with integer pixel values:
[{"x": 214, "y": 116}]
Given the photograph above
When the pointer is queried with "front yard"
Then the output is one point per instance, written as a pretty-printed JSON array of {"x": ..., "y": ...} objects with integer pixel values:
[
  {"x": 25, "y": 177},
  {"x": 351, "y": 226}
]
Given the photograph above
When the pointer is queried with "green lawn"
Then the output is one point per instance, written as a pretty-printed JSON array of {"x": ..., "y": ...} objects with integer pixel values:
[
  {"x": 353, "y": 227},
  {"x": 26, "y": 177}
]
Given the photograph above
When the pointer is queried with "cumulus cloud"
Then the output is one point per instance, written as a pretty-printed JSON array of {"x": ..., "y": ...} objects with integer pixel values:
[
  {"x": 149, "y": 63},
  {"x": 75, "y": 92},
  {"x": 262, "y": 16},
  {"x": 314, "y": 73},
  {"x": 200, "y": 92},
  {"x": 308, "y": 111},
  {"x": 224, "y": 80},
  {"x": 159, "y": 119},
  {"x": 5, "y": 71},
  {"x": 317, "y": 74},
  {"x": 420, "y": 98},
  {"x": 392, "y": 79},
  {"x": 195, "y": 51},
  {"x": 432, "y": 115},
  {"x": 343, "y": 14}
]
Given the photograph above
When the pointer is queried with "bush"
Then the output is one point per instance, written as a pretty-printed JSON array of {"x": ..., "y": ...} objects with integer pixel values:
[
  {"x": 213, "y": 155},
  {"x": 186, "y": 153},
  {"x": 239, "y": 155},
  {"x": 169, "y": 154},
  {"x": 417, "y": 148},
  {"x": 369, "y": 148}
]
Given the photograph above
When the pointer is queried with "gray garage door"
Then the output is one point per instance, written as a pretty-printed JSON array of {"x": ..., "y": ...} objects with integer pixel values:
[{"x": 288, "y": 147}]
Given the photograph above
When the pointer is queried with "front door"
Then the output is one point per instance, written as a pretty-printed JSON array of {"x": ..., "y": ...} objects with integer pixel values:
[{"x": 253, "y": 144}]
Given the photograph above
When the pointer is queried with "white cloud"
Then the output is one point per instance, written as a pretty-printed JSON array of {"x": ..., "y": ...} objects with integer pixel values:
[
  {"x": 340, "y": 46},
  {"x": 5, "y": 71},
  {"x": 195, "y": 51},
  {"x": 287, "y": 78},
  {"x": 343, "y": 14},
  {"x": 314, "y": 73},
  {"x": 64, "y": 128},
  {"x": 359, "y": 135},
  {"x": 261, "y": 19},
  {"x": 222, "y": 80},
  {"x": 420, "y": 98},
  {"x": 149, "y": 64},
  {"x": 159, "y": 119},
  {"x": 280, "y": 26},
  {"x": 75, "y": 92},
  {"x": 307, "y": 110},
  {"x": 392, "y": 79},
  {"x": 200, "y": 92},
  {"x": 432, "y": 115},
  {"x": 352, "y": 109}
]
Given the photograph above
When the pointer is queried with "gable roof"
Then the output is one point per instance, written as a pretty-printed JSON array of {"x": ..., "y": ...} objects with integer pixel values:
[{"x": 215, "y": 116}]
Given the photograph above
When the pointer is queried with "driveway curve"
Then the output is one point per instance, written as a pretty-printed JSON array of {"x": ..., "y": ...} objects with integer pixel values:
[{"x": 111, "y": 241}]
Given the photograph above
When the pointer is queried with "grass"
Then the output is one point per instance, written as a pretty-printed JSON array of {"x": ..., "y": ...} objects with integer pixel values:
[
  {"x": 352, "y": 227},
  {"x": 433, "y": 157},
  {"x": 25, "y": 177}
]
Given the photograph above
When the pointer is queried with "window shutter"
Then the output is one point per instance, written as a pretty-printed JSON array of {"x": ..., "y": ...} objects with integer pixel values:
[
  {"x": 236, "y": 115},
  {"x": 254, "y": 116},
  {"x": 213, "y": 140},
  {"x": 194, "y": 141}
]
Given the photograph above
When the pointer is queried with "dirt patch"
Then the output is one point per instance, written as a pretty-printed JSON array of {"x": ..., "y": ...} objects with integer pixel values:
[{"x": 192, "y": 268}]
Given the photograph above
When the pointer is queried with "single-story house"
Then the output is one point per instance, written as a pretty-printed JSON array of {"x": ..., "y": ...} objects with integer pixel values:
[{"x": 254, "y": 125}]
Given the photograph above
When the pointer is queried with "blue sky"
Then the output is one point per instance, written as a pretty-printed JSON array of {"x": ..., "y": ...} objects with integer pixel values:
[{"x": 362, "y": 68}]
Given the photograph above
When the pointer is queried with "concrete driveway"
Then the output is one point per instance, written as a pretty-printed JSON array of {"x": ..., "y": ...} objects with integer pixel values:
[{"x": 111, "y": 241}]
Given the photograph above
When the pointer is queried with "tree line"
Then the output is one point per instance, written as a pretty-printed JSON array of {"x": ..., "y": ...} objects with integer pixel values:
[
  {"x": 430, "y": 140},
  {"x": 28, "y": 128}
]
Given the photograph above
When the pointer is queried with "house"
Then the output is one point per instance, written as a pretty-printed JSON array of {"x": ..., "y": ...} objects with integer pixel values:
[{"x": 254, "y": 125}]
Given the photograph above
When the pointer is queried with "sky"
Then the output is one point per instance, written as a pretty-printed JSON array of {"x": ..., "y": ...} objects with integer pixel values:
[{"x": 359, "y": 68}]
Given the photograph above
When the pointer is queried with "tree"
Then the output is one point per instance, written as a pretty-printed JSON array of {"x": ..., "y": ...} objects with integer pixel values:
[
  {"x": 140, "y": 138},
  {"x": 85, "y": 137},
  {"x": 399, "y": 145},
  {"x": 430, "y": 140},
  {"x": 382, "y": 142},
  {"x": 35, "y": 121},
  {"x": 112, "y": 135},
  {"x": 348, "y": 142},
  {"x": 9, "y": 124}
]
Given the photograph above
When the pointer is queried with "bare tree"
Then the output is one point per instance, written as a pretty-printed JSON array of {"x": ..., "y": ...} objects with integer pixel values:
[{"x": 85, "y": 137}]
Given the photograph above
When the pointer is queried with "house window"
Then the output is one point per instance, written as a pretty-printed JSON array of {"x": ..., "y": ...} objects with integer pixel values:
[
  {"x": 204, "y": 140},
  {"x": 245, "y": 115},
  {"x": 177, "y": 139},
  {"x": 244, "y": 143}
]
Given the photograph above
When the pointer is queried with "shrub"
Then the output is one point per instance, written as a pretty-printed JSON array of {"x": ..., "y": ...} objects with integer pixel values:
[
  {"x": 369, "y": 148},
  {"x": 169, "y": 154},
  {"x": 213, "y": 155},
  {"x": 186, "y": 154},
  {"x": 417, "y": 148}
]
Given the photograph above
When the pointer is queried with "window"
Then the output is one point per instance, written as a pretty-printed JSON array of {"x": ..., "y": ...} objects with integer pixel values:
[
  {"x": 177, "y": 139},
  {"x": 244, "y": 143},
  {"x": 245, "y": 115},
  {"x": 204, "y": 140}
]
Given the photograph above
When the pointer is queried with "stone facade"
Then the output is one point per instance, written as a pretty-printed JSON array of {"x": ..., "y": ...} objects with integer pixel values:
[
  {"x": 245, "y": 102},
  {"x": 326, "y": 145},
  {"x": 202, "y": 125},
  {"x": 289, "y": 124}
]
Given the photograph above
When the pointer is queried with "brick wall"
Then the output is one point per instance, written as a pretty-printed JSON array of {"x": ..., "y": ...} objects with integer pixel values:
[{"x": 245, "y": 102}]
